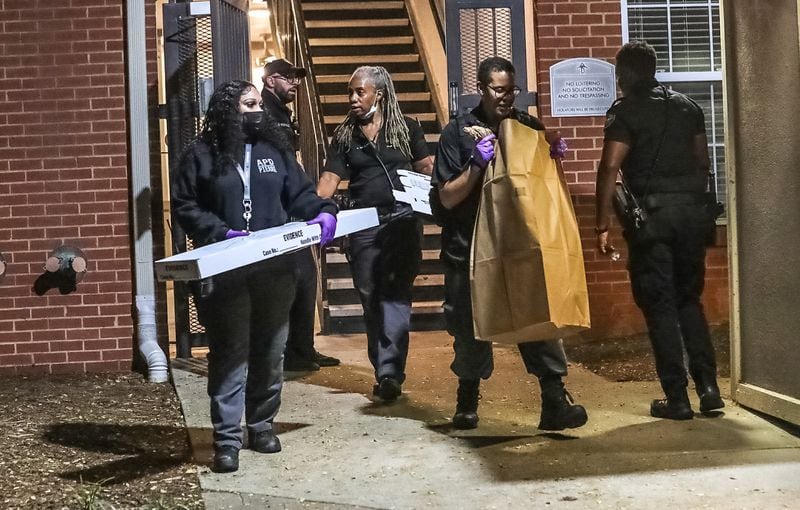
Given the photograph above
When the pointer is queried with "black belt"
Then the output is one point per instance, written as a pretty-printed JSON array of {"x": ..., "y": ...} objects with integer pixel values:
[
  {"x": 396, "y": 212},
  {"x": 659, "y": 200},
  {"x": 385, "y": 210}
]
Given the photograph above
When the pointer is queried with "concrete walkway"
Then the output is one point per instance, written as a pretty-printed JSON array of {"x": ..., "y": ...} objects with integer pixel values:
[{"x": 341, "y": 450}]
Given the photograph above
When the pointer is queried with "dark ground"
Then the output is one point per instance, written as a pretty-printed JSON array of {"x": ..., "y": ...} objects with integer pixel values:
[
  {"x": 117, "y": 441},
  {"x": 631, "y": 358},
  {"x": 92, "y": 442}
]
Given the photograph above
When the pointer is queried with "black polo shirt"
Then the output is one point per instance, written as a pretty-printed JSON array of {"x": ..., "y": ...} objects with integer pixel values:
[
  {"x": 640, "y": 120},
  {"x": 369, "y": 183},
  {"x": 455, "y": 149}
]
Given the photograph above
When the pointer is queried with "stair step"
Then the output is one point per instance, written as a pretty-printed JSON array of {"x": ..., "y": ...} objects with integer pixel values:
[
  {"x": 430, "y": 229},
  {"x": 345, "y": 78},
  {"x": 366, "y": 59},
  {"x": 423, "y": 280},
  {"x": 401, "y": 96},
  {"x": 356, "y": 23},
  {"x": 360, "y": 6},
  {"x": 339, "y": 258},
  {"x": 422, "y": 117},
  {"x": 340, "y": 32},
  {"x": 355, "y": 310},
  {"x": 365, "y": 42}
]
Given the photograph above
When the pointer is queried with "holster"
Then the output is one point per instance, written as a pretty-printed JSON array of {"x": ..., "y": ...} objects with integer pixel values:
[{"x": 629, "y": 213}]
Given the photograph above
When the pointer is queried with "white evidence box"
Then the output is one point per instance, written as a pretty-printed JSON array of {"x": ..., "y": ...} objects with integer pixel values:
[
  {"x": 233, "y": 253},
  {"x": 417, "y": 190}
]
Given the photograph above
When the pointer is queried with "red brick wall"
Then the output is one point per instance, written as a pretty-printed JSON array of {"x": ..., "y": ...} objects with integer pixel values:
[
  {"x": 64, "y": 179},
  {"x": 593, "y": 29}
]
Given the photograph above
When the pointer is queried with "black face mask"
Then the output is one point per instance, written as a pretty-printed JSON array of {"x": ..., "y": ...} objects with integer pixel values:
[{"x": 254, "y": 123}]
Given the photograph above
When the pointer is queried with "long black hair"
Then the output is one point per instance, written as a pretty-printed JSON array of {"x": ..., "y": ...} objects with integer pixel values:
[{"x": 222, "y": 125}]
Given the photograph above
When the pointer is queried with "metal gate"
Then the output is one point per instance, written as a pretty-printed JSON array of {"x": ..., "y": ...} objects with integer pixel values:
[
  {"x": 205, "y": 43},
  {"x": 478, "y": 29}
]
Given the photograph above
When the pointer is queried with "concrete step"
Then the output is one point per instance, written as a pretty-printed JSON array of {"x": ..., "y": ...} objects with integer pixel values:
[
  {"x": 356, "y": 23},
  {"x": 360, "y": 41},
  {"x": 405, "y": 58},
  {"x": 345, "y": 78},
  {"x": 401, "y": 96},
  {"x": 352, "y": 6},
  {"x": 355, "y": 310},
  {"x": 339, "y": 258},
  {"x": 422, "y": 117},
  {"x": 423, "y": 280}
]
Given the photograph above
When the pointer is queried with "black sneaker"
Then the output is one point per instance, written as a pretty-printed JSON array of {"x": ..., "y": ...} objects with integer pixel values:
[
  {"x": 226, "y": 459},
  {"x": 325, "y": 361},
  {"x": 265, "y": 442},
  {"x": 388, "y": 389},
  {"x": 676, "y": 409}
]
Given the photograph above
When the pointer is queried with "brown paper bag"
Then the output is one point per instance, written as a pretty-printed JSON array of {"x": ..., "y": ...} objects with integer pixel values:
[{"x": 527, "y": 274}]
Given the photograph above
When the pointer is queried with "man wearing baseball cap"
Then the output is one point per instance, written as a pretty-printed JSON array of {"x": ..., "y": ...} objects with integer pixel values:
[{"x": 281, "y": 81}]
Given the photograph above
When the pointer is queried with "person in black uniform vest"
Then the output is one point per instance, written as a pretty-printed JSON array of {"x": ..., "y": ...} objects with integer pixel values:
[
  {"x": 240, "y": 176},
  {"x": 657, "y": 138},
  {"x": 281, "y": 80},
  {"x": 369, "y": 146},
  {"x": 458, "y": 174}
]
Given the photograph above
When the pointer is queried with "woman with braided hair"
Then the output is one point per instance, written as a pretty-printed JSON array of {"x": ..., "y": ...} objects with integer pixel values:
[{"x": 369, "y": 146}]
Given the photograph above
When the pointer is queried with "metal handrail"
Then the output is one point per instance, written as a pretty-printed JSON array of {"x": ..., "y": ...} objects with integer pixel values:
[{"x": 289, "y": 30}]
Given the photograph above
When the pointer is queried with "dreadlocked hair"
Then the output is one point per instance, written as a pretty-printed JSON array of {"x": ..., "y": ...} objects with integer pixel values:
[
  {"x": 394, "y": 125},
  {"x": 222, "y": 126}
]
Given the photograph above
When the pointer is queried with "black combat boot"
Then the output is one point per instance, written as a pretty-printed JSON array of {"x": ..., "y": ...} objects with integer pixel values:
[
  {"x": 710, "y": 399},
  {"x": 226, "y": 459},
  {"x": 558, "y": 410},
  {"x": 675, "y": 407},
  {"x": 466, "y": 416},
  {"x": 388, "y": 389}
]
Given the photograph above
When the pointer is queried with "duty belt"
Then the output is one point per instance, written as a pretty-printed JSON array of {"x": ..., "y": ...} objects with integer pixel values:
[{"x": 659, "y": 200}]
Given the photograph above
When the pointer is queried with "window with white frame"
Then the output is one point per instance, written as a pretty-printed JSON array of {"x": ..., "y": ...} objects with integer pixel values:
[{"x": 686, "y": 36}]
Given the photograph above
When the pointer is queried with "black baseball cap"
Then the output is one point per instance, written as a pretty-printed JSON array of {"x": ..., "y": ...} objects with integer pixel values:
[{"x": 283, "y": 67}]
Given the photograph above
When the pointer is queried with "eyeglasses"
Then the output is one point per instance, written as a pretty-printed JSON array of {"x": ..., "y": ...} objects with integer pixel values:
[
  {"x": 294, "y": 80},
  {"x": 500, "y": 93}
]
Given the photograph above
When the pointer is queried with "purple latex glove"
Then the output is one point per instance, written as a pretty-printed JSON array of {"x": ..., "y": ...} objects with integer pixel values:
[
  {"x": 327, "y": 224},
  {"x": 558, "y": 149},
  {"x": 483, "y": 151},
  {"x": 230, "y": 234}
]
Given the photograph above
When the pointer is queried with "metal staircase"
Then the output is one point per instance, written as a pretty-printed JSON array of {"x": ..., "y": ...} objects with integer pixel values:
[{"x": 343, "y": 35}]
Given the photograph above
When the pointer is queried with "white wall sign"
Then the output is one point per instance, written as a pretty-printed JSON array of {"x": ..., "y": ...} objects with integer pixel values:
[{"x": 581, "y": 87}]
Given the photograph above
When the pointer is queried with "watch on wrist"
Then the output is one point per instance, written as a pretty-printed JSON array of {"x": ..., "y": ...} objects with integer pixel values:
[{"x": 598, "y": 230}]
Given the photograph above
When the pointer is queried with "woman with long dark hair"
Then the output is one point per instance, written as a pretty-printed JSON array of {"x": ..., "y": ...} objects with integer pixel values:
[{"x": 240, "y": 176}]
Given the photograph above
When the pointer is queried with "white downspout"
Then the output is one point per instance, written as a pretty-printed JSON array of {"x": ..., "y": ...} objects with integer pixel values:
[{"x": 141, "y": 196}]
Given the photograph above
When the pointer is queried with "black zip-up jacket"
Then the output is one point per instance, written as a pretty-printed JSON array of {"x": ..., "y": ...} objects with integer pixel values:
[
  {"x": 282, "y": 115},
  {"x": 208, "y": 203}
]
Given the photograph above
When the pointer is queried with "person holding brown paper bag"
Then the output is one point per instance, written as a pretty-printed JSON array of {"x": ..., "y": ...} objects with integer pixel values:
[{"x": 461, "y": 161}]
